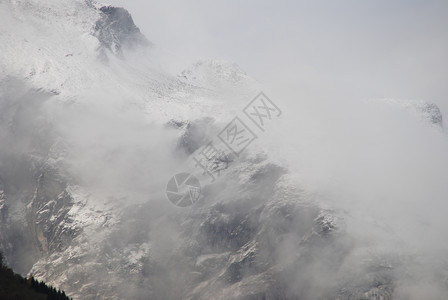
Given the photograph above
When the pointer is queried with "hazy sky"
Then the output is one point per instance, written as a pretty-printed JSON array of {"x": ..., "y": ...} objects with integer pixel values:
[{"x": 330, "y": 49}]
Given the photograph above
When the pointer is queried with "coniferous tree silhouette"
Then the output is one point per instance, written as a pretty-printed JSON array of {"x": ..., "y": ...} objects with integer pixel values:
[{"x": 14, "y": 286}]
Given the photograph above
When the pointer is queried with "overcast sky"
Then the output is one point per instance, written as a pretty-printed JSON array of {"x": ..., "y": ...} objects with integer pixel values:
[{"x": 314, "y": 49}]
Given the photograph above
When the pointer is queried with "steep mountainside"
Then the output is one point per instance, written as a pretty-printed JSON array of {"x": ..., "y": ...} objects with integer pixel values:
[{"x": 90, "y": 134}]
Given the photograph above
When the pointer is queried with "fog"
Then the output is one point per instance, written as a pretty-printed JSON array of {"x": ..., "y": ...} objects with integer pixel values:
[
  {"x": 322, "y": 61},
  {"x": 380, "y": 169},
  {"x": 323, "y": 49}
]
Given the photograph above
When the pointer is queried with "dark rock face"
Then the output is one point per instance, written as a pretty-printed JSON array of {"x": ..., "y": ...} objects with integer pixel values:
[
  {"x": 33, "y": 200},
  {"x": 48, "y": 214},
  {"x": 195, "y": 134},
  {"x": 254, "y": 242},
  {"x": 431, "y": 112},
  {"x": 427, "y": 111},
  {"x": 116, "y": 30}
]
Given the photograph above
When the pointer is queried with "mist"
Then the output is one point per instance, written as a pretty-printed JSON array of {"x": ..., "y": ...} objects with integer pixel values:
[
  {"x": 326, "y": 64},
  {"x": 337, "y": 56},
  {"x": 344, "y": 196}
]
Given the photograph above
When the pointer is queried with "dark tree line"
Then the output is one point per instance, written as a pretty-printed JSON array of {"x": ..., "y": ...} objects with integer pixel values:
[
  {"x": 13, "y": 286},
  {"x": 43, "y": 288}
]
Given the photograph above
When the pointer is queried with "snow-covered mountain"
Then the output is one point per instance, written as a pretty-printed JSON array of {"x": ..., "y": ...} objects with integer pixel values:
[{"x": 91, "y": 132}]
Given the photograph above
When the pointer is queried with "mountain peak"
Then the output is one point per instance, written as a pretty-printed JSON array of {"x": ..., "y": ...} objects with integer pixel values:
[{"x": 116, "y": 29}]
